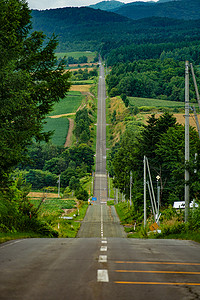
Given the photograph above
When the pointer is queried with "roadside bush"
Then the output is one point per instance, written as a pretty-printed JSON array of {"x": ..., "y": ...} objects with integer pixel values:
[
  {"x": 81, "y": 194},
  {"x": 194, "y": 220},
  {"x": 175, "y": 228}
]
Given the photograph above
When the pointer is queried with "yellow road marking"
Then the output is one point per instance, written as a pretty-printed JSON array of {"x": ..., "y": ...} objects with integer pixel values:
[
  {"x": 162, "y": 272},
  {"x": 157, "y": 283},
  {"x": 157, "y": 263}
]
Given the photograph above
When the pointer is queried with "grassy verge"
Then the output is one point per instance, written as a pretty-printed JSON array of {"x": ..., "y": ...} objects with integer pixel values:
[
  {"x": 133, "y": 226},
  {"x": 5, "y": 237},
  {"x": 51, "y": 213}
]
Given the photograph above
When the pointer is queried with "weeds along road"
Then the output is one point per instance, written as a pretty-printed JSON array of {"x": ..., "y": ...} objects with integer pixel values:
[{"x": 101, "y": 263}]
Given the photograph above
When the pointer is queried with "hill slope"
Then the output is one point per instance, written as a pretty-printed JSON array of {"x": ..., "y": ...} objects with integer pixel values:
[
  {"x": 88, "y": 29},
  {"x": 181, "y": 9},
  {"x": 107, "y": 5}
]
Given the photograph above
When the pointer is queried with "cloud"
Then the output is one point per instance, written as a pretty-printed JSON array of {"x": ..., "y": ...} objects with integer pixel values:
[{"x": 46, "y": 4}]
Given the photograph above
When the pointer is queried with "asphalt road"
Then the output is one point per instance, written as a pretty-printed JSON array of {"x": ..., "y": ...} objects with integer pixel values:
[
  {"x": 99, "y": 268},
  {"x": 101, "y": 264}
]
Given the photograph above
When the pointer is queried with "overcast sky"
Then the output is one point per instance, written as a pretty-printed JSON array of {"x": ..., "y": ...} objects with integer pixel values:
[{"x": 44, "y": 4}]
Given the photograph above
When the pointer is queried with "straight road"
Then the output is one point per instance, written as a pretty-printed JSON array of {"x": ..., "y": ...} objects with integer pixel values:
[
  {"x": 101, "y": 219},
  {"x": 101, "y": 263}
]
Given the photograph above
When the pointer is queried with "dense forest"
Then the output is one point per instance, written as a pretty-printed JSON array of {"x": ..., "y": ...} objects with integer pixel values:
[
  {"x": 181, "y": 9},
  {"x": 88, "y": 29}
]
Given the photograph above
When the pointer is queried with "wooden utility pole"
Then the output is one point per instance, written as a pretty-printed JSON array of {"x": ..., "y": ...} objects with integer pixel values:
[
  {"x": 145, "y": 192},
  {"x": 187, "y": 153}
]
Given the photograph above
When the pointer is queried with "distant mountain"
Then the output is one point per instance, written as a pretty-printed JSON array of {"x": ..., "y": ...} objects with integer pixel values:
[
  {"x": 162, "y": 1},
  {"x": 177, "y": 9},
  {"x": 85, "y": 28},
  {"x": 107, "y": 5}
]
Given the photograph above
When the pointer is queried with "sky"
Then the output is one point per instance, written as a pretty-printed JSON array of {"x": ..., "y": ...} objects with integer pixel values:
[{"x": 46, "y": 4}]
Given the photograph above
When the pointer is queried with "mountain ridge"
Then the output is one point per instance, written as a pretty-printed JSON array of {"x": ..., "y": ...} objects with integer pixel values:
[{"x": 177, "y": 9}]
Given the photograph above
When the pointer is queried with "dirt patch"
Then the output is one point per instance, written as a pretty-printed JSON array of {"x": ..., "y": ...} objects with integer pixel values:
[
  {"x": 41, "y": 195},
  {"x": 179, "y": 117},
  {"x": 68, "y": 211},
  {"x": 80, "y": 88},
  {"x": 69, "y": 134},
  {"x": 63, "y": 115},
  {"x": 82, "y": 65}
]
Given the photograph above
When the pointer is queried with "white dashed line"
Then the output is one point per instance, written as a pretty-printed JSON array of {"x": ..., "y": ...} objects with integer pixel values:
[
  {"x": 104, "y": 242},
  {"x": 103, "y": 248},
  {"x": 102, "y": 258},
  {"x": 102, "y": 276}
]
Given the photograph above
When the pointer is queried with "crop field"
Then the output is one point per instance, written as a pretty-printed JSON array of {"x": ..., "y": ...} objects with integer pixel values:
[
  {"x": 60, "y": 127},
  {"x": 76, "y": 55},
  {"x": 69, "y": 104},
  {"x": 81, "y": 88},
  {"x": 155, "y": 103},
  {"x": 54, "y": 205}
]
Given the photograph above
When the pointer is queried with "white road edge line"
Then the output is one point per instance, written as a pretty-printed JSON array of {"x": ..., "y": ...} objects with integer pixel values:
[
  {"x": 102, "y": 276},
  {"x": 10, "y": 244}
]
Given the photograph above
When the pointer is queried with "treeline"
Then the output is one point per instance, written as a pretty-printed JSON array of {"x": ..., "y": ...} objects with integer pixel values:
[
  {"x": 178, "y": 51},
  {"x": 49, "y": 161},
  {"x": 162, "y": 142},
  {"x": 150, "y": 78},
  {"x": 84, "y": 74}
]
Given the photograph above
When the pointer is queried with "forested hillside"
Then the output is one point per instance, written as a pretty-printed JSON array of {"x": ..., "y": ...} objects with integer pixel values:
[
  {"x": 88, "y": 29},
  {"x": 182, "y": 9}
]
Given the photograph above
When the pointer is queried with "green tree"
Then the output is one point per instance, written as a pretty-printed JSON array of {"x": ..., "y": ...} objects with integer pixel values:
[{"x": 31, "y": 82}]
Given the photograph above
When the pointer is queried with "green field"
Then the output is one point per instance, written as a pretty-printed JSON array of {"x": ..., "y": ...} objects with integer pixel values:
[
  {"x": 155, "y": 103},
  {"x": 54, "y": 205},
  {"x": 60, "y": 126},
  {"x": 69, "y": 104},
  {"x": 88, "y": 54}
]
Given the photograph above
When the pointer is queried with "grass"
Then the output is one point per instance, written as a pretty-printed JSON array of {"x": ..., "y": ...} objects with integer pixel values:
[
  {"x": 60, "y": 126},
  {"x": 68, "y": 105},
  {"x": 139, "y": 102},
  {"x": 83, "y": 82},
  {"x": 54, "y": 205},
  {"x": 76, "y": 55},
  {"x": 5, "y": 237}
]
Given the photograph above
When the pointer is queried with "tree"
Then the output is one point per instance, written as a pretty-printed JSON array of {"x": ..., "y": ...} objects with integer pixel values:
[{"x": 30, "y": 83}]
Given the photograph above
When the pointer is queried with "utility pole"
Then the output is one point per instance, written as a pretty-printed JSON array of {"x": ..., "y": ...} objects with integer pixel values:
[
  {"x": 187, "y": 153},
  {"x": 58, "y": 186},
  {"x": 195, "y": 85},
  {"x": 131, "y": 178},
  {"x": 145, "y": 193}
]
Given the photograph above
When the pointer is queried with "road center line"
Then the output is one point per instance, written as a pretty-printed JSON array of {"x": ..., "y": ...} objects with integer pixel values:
[
  {"x": 103, "y": 258},
  {"x": 102, "y": 276},
  {"x": 103, "y": 248}
]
